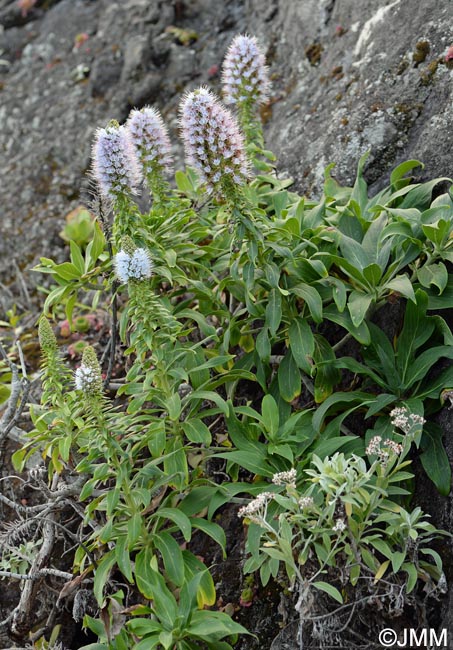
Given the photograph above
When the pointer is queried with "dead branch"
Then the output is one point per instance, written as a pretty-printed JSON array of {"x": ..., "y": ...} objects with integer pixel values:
[{"x": 20, "y": 387}]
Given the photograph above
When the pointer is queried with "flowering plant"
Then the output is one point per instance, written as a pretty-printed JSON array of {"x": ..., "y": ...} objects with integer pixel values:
[
  {"x": 213, "y": 142},
  {"x": 339, "y": 518},
  {"x": 150, "y": 138},
  {"x": 218, "y": 373}
]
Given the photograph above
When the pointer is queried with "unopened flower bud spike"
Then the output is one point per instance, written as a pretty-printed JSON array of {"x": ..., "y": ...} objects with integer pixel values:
[{"x": 55, "y": 373}]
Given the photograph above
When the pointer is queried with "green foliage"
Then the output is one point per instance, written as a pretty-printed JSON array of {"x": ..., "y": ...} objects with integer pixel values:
[
  {"x": 79, "y": 227},
  {"x": 345, "y": 519},
  {"x": 233, "y": 352}
]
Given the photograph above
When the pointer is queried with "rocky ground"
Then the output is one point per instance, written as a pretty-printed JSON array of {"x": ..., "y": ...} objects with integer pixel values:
[{"x": 348, "y": 76}]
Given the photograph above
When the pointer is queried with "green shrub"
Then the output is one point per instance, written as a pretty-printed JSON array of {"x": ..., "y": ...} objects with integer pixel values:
[{"x": 234, "y": 298}]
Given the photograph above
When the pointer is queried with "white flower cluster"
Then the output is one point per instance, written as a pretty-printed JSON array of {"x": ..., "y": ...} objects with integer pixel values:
[
  {"x": 394, "y": 447},
  {"x": 374, "y": 446},
  {"x": 306, "y": 502},
  {"x": 85, "y": 378},
  {"x": 402, "y": 419},
  {"x": 285, "y": 478},
  {"x": 339, "y": 526},
  {"x": 213, "y": 142},
  {"x": 383, "y": 449},
  {"x": 150, "y": 137},
  {"x": 255, "y": 510},
  {"x": 135, "y": 266},
  {"x": 245, "y": 76}
]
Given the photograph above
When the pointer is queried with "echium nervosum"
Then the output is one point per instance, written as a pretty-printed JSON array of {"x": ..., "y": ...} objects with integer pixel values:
[
  {"x": 214, "y": 144},
  {"x": 149, "y": 316},
  {"x": 118, "y": 174},
  {"x": 55, "y": 373},
  {"x": 245, "y": 84},
  {"x": 149, "y": 136}
]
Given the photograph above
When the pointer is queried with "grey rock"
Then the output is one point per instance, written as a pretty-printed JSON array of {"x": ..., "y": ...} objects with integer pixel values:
[
  {"x": 105, "y": 74},
  {"x": 13, "y": 41},
  {"x": 136, "y": 57},
  {"x": 146, "y": 92}
]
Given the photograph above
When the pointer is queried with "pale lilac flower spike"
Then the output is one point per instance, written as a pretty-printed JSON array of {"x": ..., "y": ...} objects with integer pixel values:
[
  {"x": 245, "y": 76},
  {"x": 213, "y": 143},
  {"x": 133, "y": 266},
  {"x": 150, "y": 137},
  {"x": 115, "y": 165}
]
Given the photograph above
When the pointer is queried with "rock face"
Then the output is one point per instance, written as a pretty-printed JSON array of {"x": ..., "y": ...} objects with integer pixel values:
[{"x": 348, "y": 76}]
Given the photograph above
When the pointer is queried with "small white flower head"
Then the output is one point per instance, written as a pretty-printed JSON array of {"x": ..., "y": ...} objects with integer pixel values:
[
  {"x": 407, "y": 422},
  {"x": 394, "y": 447},
  {"x": 285, "y": 478},
  {"x": 305, "y": 503},
  {"x": 383, "y": 449},
  {"x": 115, "y": 164},
  {"x": 339, "y": 526},
  {"x": 374, "y": 446},
  {"x": 256, "y": 509},
  {"x": 213, "y": 142},
  {"x": 150, "y": 138},
  {"x": 245, "y": 76},
  {"x": 87, "y": 377},
  {"x": 134, "y": 265}
]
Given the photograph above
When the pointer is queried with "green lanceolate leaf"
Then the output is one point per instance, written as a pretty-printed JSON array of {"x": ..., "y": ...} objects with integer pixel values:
[
  {"x": 329, "y": 589},
  {"x": 269, "y": 415},
  {"x": 302, "y": 343},
  {"x": 289, "y": 381},
  {"x": 312, "y": 298},
  {"x": 274, "y": 311},
  {"x": 102, "y": 574},
  {"x": 152, "y": 586},
  {"x": 358, "y": 305},
  {"x": 327, "y": 376},
  {"x": 172, "y": 557},
  {"x": 212, "y": 626},
  {"x": 401, "y": 284},
  {"x": 434, "y": 458},
  {"x": 399, "y": 172},
  {"x": 433, "y": 275},
  {"x": 197, "y": 431}
]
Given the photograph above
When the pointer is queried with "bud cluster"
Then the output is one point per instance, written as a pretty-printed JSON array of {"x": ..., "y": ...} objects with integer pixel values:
[
  {"x": 406, "y": 421},
  {"x": 213, "y": 142},
  {"x": 383, "y": 449},
  {"x": 256, "y": 509},
  {"x": 306, "y": 503},
  {"x": 339, "y": 526}
]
